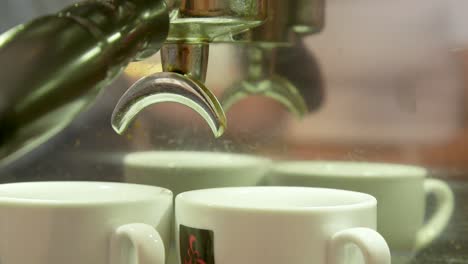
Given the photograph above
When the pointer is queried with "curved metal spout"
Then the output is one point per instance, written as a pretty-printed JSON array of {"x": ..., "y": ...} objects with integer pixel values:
[
  {"x": 262, "y": 80},
  {"x": 169, "y": 87},
  {"x": 275, "y": 87}
]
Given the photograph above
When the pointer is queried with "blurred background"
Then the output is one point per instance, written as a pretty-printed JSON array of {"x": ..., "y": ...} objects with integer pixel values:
[{"x": 391, "y": 77}]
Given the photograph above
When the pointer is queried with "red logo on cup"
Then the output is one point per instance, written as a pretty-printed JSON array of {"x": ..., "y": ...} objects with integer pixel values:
[
  {"x": 196, "y": 246},
  {"x": 193, "y": 256}
]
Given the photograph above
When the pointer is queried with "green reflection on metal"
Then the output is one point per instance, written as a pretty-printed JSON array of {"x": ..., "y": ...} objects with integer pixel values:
[{"x": 53, "y": 67}]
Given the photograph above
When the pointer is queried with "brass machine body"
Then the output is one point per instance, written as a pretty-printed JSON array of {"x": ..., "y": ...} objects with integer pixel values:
[{"x": 54, "y": 66}]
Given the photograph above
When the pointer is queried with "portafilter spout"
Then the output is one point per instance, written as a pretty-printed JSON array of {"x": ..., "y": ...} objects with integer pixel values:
[
  {"x": 182, "y": 82},
  {"x": 287, "y": 21},
  {"x": 262, "y": 80},
  {"x": 169, "y": 87},
  {"x": 184, "y": 55},
  {"x": 53, "y": 67}
]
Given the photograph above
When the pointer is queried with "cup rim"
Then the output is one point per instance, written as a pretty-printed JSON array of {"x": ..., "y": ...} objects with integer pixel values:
[
  {"x": 367, "y": 200},
  {"x": 143, "y": 194},
  {"x": 325, "y": 168},
  {"x": 181, "y": 160}
]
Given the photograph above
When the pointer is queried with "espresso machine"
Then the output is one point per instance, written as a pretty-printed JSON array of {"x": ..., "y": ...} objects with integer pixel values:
[
  {"x": 308, "y": 80},
  {"x": 97, "y": 39}
]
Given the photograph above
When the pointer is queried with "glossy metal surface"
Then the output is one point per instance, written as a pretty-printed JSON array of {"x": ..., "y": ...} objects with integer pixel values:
[
  {"x": 287, "y": 21},
  {"x": 169, "y": 87},
  {"x": 186, "y": 58},
  {"x": 308, "y": 16},
  {"x": 203, "y": 20},
  {"x": 54, "y": 66},
  {"x": 262, "y": 80}
]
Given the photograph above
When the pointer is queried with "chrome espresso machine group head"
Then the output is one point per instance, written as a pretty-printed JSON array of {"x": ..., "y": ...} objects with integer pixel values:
[{"x": 54, "y": 66}]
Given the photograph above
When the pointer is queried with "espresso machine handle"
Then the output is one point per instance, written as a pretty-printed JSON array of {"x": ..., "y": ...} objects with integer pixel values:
[{"x": 52, "y": 67}]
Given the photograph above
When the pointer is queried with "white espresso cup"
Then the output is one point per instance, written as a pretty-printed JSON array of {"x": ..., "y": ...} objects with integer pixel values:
[
  {"x": 182, "y": 171},
  {"x": 401, "y": 191},
  {"x": 83, "y": 222},
  {"x": 278, "y": 225}
]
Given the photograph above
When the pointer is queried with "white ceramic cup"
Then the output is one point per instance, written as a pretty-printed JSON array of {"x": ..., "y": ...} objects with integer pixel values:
[
  {"x": 182, "y": 171},
  {"x": 401, "y": 192},
  {"x": 83, "y": 222},
  {"x": 278, "y": 225}
]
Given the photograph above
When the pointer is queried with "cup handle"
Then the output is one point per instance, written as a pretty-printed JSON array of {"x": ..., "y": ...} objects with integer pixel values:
[
  {"x": 372, "y": 245},
  {"x": 142, "y": 239},
  {"x": 439, "y": 220}
]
